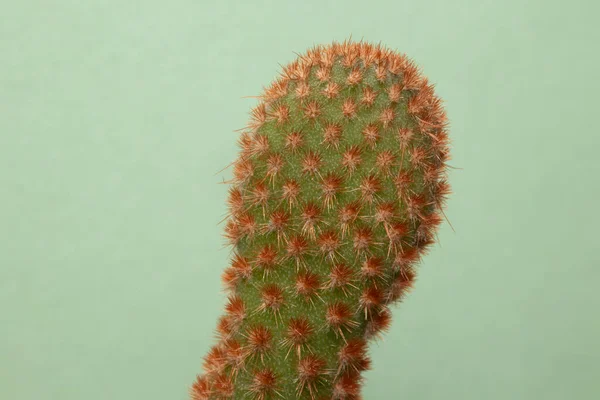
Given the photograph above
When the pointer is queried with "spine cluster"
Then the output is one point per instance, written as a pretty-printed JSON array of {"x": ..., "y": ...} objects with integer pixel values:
[{"x": 337, "y": 192}]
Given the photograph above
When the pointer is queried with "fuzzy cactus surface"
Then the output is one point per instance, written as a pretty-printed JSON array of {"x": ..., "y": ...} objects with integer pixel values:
[{"x": 337, "y": 193}]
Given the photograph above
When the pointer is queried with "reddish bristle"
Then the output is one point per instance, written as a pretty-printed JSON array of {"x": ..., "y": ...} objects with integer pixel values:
[
  {"x": 412, "y": 80},
  {"x": 290, "y": 191},
  {"x": 297, "y": 70},
  {"x": 372, "y": 267},
  {"x": 229, "y": 278},
  {"x": 312, "y": 56},
  {"x": 370, "y": 300},
  {"x": 349, "y": 108},
  {"x": 259, "y": 195},
  {"x": 310, "y": 217},
  {"x": 215, "y": 360},
  {"x": 264, "y": 383},
  {"x": 310, "y": 369},
  {"x": 378, "y": 323},
  {"x": 385, "y": 161},
  {"x": 418, "y": 157},
  {"x": 351, "y": 158},
  {"x": 439, "y": 146},
  {"x": 312, "y": 110},
  {"x": 232, "y": 232},
  {"x": 293, "y": 141},
  {"x": 302, "y": 90},
  {"x": 369, "y": 187},
  {"x": 368, "y": 96},
  {"x": 340, "y": 276},
  {"x": 243, "y": 170},
  {"x": 405, "y": 136},
  {"x": 241, "y": 266},
  {"x": 402, "y": 283},
  {"x": 258, "y": 341},
  {"x": 419, "y": 101},
  {"x": 395, "y": 92},
  {"x": 274, "y": 166},
  {"x": 223, "y": 387},
  {"x": 354, "y": 77},
  {"x": 225, "y": 327},
  {"x": 258, "y": 116},
  {"x": 236, "y": 309},
  {"x": 331, "y": 90},
  {"x": 384, "y": 213},
  {"x": 381, "y": 73},
  {"x": 235, "y": 201},
  {"x": 428, "y": 224},
  {"x": 441, "y": 190},
  {"x": 403, "y": 181},
  {"x": 395, "y": 233},
  {"x": 387, "y": 117},
  {"x": 281, "y": 113},
  {"x": 323, "y": 74},
  {"x": 277, "y": 222},
  {"x": 247, "y": 225},
  {"x": 328, "y": 243},
  {"x": 272, "y": 297},
  {"x": 349, "y": 53},
  {"x": 348, "y": 215},
  {"x": 307, "y": 284},
  {"x": 296, "y": 248},
  {"x": 266, "y": 258},
  {"x": 245, "y": 143},
  {"x": 327, "y": 57},
  {"x": 353, "y": 356},
  {"x": 370, "y": 134},
  {"x": 298, "y": 332},
  {"x": 331, "y": 186},
  {"x": 414, "y": 206},
  {"x": 332, "y": 135},
  {"x": 277, "y": 89},
  {"x": 368, "y": 54},
  {"x": 234, "y": 354},
  {"x": 396, "y": 64},
  {"x": 363, "y": 239},
  {"x": 200, "y": 389},
  {"x": 260, "y": 145},
  {"x": 311, "y": 163},
  {"x": 423, "y": 244},
  {"x": 405, "y": 258},
  {"x": 347, "y": 387},
  {"x": 338, "y": 315},
  {"x": 431, "y": 173}
]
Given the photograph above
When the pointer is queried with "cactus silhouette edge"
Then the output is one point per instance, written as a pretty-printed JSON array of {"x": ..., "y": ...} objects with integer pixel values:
[{"x": 337, "y": 193}]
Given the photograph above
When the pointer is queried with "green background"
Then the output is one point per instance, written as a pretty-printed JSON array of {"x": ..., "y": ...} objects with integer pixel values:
[{"x": 116, "y": 118}]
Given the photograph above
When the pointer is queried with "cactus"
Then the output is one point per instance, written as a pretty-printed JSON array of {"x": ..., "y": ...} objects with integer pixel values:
[{"x": 338, "y": 191}]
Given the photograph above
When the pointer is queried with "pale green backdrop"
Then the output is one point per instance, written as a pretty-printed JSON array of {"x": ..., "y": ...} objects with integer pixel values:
[{"x": 116, "y": 117}]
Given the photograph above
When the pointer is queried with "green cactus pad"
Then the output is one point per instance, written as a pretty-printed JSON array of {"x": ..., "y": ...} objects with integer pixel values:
[{"x": 338, "y": 191}]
